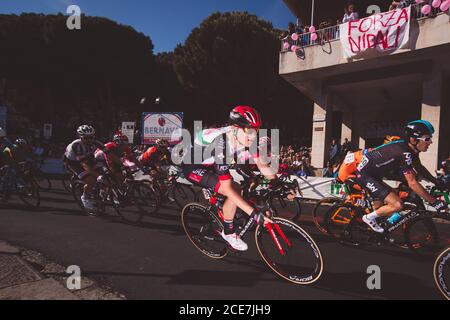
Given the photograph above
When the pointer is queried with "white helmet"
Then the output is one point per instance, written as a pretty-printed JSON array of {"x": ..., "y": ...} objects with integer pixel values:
[
  {"x": 86, "y": 131},
  {"x": 2, "y": 133}
]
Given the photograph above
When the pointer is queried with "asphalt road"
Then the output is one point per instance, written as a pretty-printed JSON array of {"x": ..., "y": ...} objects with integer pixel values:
[{"x": 156, "y": 260}]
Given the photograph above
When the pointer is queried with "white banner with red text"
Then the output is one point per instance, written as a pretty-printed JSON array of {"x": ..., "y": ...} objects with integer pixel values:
[{"x": 381, "y": 33}]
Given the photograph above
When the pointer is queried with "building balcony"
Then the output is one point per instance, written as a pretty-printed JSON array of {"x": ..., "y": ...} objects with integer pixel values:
[{"x": 429, "y": 39}]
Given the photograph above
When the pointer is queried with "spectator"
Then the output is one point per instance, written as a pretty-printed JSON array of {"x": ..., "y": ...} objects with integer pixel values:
[
  {"x": 350, "y": 13},
  {"x": 295, "y": 160},
  {"x": 401, "y": 4},
  {"x": 328, "y": 171},
  {"x": 291, "y": 28},
  {"x": 346, "y": 147},
  {"x": 444, "y": 172},
  {"x": 38, "y": 150},
  {"x": 334, "y": 152},
  {"x": 303, "y": 171}
]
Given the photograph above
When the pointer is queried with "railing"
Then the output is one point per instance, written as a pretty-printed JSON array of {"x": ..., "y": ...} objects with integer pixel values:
[{"x": 332, "y": 33}]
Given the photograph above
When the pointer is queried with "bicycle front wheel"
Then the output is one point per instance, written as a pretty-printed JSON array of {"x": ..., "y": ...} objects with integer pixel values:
[
  {"x": 285, "y": 208},
  {"x": 441, "y": 271},
  {"x": 183, "y": 194},
  {"x": 149, "y": 200},
  {"x": 289, "y": 251},
  {"x": 43, "y": 182},
  {"x": 132, "y": 208},
  {"x": 427, "y": 236},
  {"x": 320, "y": 210},
  {"x": 29, "y": 193},
  {"x": 66, "y": 183},
  {"x": 203, "y": 229}
]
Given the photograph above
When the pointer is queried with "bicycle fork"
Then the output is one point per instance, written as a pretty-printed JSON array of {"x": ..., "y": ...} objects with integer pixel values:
[{"x": 271, "y": 228}]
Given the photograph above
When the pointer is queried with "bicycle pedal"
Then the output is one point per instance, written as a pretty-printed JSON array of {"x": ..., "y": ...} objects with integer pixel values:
[{"x": 233, "y": 251}]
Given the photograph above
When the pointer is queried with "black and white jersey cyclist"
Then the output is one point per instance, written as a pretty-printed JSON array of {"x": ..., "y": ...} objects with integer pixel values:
[
  {"x": 79, "y": 159},
  {"x": 394, "y": 156},
  {"x": 228, "y": 145}
]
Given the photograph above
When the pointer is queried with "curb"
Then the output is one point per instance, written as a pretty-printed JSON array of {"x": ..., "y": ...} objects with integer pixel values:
[{"x": 29, "y": 275}]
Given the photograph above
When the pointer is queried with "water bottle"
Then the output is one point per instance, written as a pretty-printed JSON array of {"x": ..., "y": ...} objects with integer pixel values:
[{"x": 396, "y": 217}]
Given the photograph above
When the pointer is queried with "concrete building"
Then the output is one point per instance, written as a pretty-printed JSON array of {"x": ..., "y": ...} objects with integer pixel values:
[{"x": 365, "y": 99}]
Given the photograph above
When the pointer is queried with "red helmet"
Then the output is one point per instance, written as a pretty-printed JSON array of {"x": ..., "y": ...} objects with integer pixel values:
[
  {"x": 245, "y": 117},
  {"x": 120, "y": 138}
]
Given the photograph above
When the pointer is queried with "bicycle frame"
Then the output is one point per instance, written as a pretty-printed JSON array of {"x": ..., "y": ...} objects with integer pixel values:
[{"x": 272, "y": 228}]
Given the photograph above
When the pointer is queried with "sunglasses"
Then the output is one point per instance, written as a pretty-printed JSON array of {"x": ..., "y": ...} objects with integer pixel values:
[
  {"x": 426, "y": 139},
  {"x": 251, "y": 130}
]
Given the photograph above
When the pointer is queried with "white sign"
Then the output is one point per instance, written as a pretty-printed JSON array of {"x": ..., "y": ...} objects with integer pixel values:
[
  {"x": 319, "y": 118},
  {"x": 48, "y": 128},
  {"x": 380, "y": 33},
  {"x": 128, "y": 130},
  {"x": 162, "y": 126}
]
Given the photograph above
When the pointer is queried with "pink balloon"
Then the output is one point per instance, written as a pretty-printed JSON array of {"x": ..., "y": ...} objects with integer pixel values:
[
  {"x": 419, "y": 1},
  {"x": 445, "y": 6},
  {"x": 426, "y": 10},
  {"x": 436, "y": 3},
  {"x": 294, "y": 36},
  {"x": 314, "y": 36},
  {"x": 286, "y": 45},
  {"x": 294, "y": 48},
  {"x": 312, "y": 29}
]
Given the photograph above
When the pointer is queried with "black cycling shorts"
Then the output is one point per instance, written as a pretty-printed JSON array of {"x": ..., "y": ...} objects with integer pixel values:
[
  {"x": 375, "y": 186},
  {"x": 203, "y": 177}
]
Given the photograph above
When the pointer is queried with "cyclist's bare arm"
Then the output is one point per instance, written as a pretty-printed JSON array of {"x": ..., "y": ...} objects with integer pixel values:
[
  {"x": 424, "y": 173},
  {"x": 269, "y": 172},
  {"x": 418, "y": 188},
  {"x": 226, "y": 189}
]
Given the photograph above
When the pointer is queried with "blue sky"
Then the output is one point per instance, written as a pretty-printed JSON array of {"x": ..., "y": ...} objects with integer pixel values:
[{"x": 166, "y": 22}]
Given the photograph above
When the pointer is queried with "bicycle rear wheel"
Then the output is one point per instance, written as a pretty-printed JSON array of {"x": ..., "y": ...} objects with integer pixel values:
[
  {"x": 441, "y": 272},
  {"x": 319, "y": 211},
  {"x": 289, "y": 251},
  {"x": 203, "y": 229},
  {"x": 337, "y": 223}
]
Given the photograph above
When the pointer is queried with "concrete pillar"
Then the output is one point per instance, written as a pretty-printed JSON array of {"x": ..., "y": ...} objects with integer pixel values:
[
  {"x": 444, "y": 130},
  {"x": 431, "y": 111},
  {"x": 362, "y": 143},
  {"x": 322, "y": 126},
  {"x": 347, "y": 124}
]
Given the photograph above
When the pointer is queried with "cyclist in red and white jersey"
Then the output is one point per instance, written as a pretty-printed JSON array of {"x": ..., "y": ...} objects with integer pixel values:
[{"x": 225, "y": 146}]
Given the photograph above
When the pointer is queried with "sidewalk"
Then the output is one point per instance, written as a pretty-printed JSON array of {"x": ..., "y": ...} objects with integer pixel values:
[{"x": 28, "y": 275}]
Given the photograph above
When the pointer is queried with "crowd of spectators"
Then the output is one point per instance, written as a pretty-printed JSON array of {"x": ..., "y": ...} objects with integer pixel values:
[
  {"x": 400, "y": 4},
  {"x": 324, "y": 31},
  {"x": 296, "y": 160}
]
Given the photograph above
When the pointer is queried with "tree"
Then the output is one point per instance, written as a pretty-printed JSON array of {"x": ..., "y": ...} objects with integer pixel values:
[
  {"x": 94, "y": 75},
  {"x": 232, "y": 58}
]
